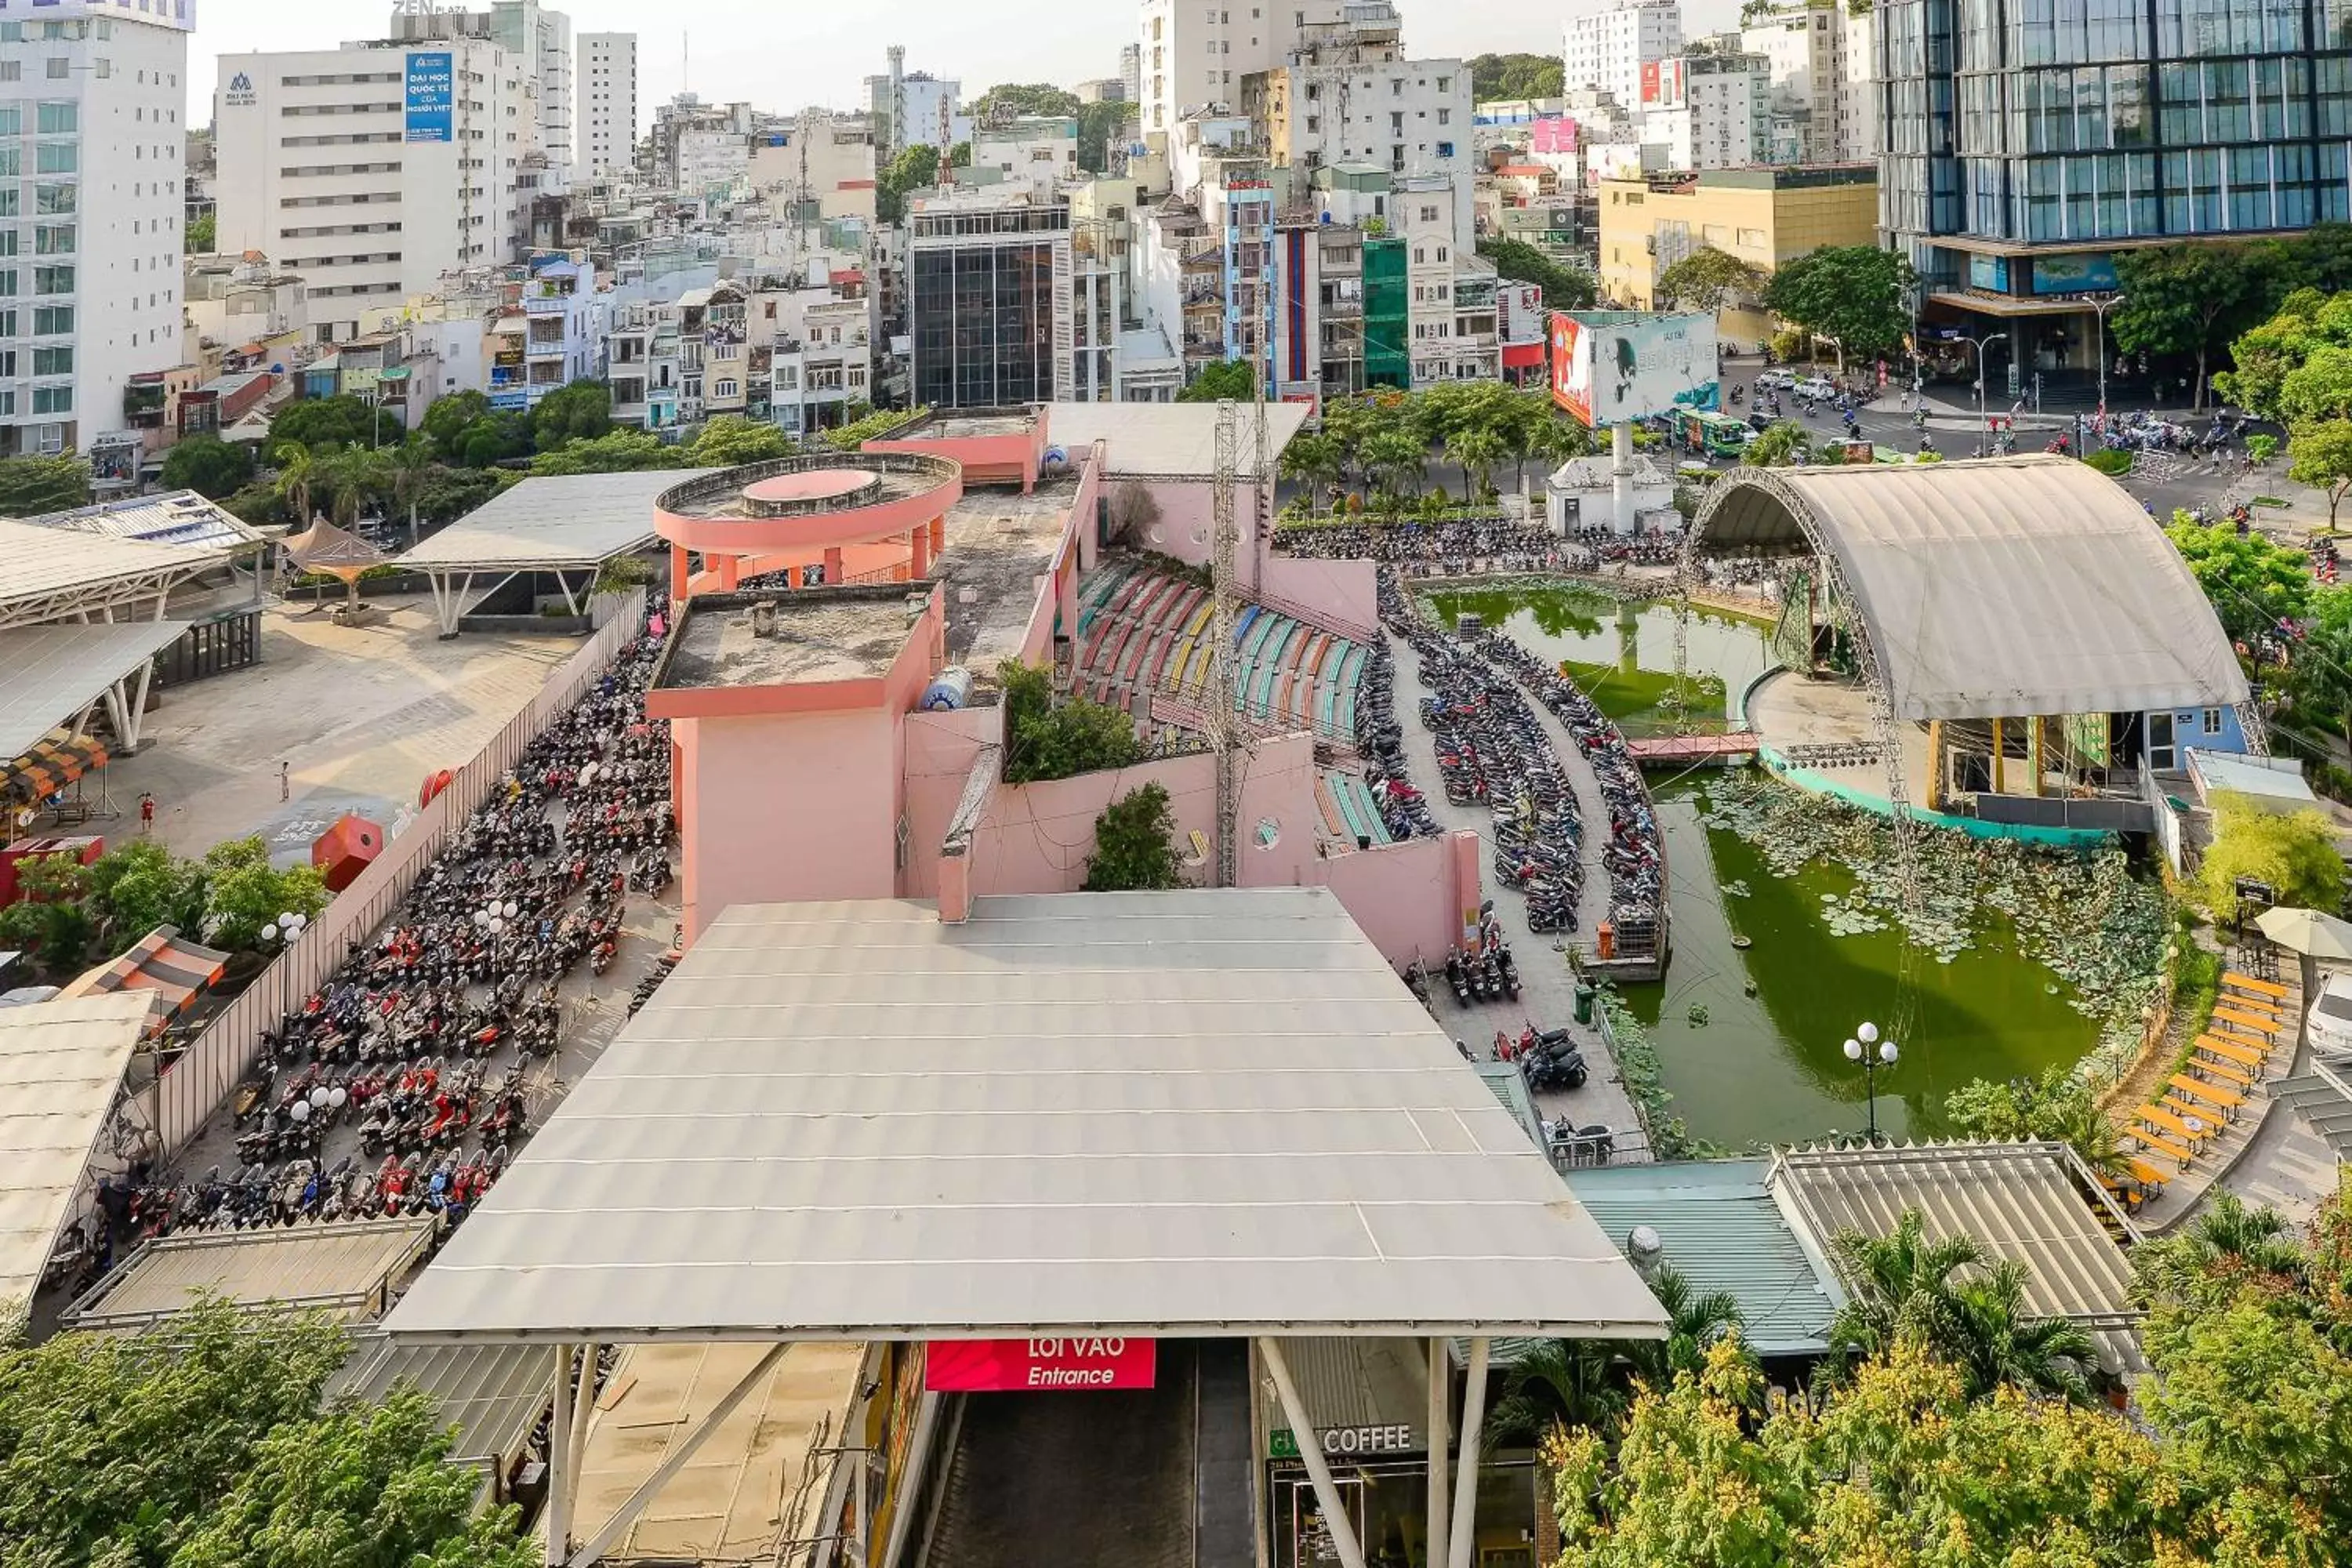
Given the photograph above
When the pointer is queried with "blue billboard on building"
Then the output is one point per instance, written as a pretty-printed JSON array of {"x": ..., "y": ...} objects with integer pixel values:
[
  {"x": 431, "y": 91},
  {"x": 2091, "y": 273}
]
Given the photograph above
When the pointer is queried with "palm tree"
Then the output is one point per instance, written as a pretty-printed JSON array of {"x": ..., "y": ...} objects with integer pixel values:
[
  {"x": 406, "y": 466},
  {"x": 1557, "y": 1382},
  {"x": 1478, "y": 449},
  {"x": 293, "y": 484},
  {"x": 349, "y": 476},
  {"x": 1693, "y": 1323},
  {"x": 2091, "y": 1132},
  {"x": 1313, "y": 462},
  {"x": 1901, "y": 1286},
  {"x": 1398, "y": 459},
  {"x": 2001, "y": 1343}
]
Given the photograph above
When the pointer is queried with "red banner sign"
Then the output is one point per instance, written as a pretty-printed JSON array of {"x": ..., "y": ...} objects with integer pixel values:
[{"x": 1001, "y": 1366}]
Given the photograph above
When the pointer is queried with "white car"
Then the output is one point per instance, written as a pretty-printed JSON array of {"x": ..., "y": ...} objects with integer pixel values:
[
  {"x": 1767, "y": 379},
  {"x": 2330, "y": 1018},
  {"x": 1816, "y": 386}
]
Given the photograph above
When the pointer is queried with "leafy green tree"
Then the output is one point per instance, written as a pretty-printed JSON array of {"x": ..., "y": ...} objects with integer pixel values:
[
  {"x": 2181, "y": 300},
  {"x": 1478, "y": 450},
  {"x": 407, "y": 472},
  {"x": 915, "y": 168},
  {"x": 1706, "y": 278},
  {"x": 207, "y": 465},
  {"x": 1395, "y": 459},
  {"x": 1560, "y": 1384},
  {"x": 338, "y": 421},
  {"x": 199, "y": 237},
  {"x": 2294, "y": 852},
  {"x": 350, "y": 477},
  {"x": 614, "y": 452},
  {"x": 1221, "y": 379},
  {"x": 2319, "y": 452},
  {"x": 243, "y": 892},
  {"x": 2059, "y": 1105},
  {"x": 2254, "y": 583},
  {"x": 731, "y": 439},
  {"x": 444, "y": 494},
  {"x": 1135, "y": 845},
  {"x": 1564, "y": 288},
  {"x": 31, "y": 486},
  {"x": 51, "y": 919},
  {"x": 1014, "y": 98},
  {"x": 1513, "y": 76},
  {"x": 1313, "y": 462},
  {"x": 140, "y": 885},
  {"x": 359, "y": 1487},
  {"x": 959, "y": 155},
  {"x": 1046, "y": 741},
  {"x": 295, "y": 478},
  {"x": 577, "y": 411},
  {"x": 1778, "y": 444},
  {"x": 1855, "y": 295},
  {"x": 1100, "y": 126},
  {"x": 446, "y": 421},
  {"x": 1696, "y": 1320},
  {"x": 2293, "y": 365}
]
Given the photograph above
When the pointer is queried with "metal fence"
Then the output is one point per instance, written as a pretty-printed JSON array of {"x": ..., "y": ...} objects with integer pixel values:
[{"x": 193, "y": 1087}]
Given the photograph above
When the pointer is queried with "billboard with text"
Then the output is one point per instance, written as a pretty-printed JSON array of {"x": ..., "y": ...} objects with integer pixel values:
[
  {"x": 431, "y": 95},
  {"x": 1060, "y": 1361},
  {"x": 1612, "y": 366}
]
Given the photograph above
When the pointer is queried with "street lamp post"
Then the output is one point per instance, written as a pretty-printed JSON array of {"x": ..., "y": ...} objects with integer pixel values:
[
  {"x": 1984, "y": 424},
  {"x": 1871, "y": 1052}
]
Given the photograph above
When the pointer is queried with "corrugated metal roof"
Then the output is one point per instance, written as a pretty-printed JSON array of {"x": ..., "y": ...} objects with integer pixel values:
[
  {"x": 1354, "y": 1381},
  {"x": 494, "y": 1394},
  {"x": 347, "y": 1266},
  {"x": 1203, "y": 1111},
  {"x": 61, "y": 1062},
  {"x": 2006, "y": 586},
  {"x": 176, "y": 517},
  {"x": 45, "y": 560},
  {"x": 2029, "y": 1202},
  {"x": 551, "y": 522},
  {"x": 48, "y": 674},
  {"x": 2253, "y": 775},
  {"x": 1723, "y": 1231}
]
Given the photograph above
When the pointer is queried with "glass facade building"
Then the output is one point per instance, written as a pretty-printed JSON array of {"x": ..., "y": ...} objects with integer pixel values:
[
  {"x": 2073, "y": 123},
  {"x": 985, "y": 287}
]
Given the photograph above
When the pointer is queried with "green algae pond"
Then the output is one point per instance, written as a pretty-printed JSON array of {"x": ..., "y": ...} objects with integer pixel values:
[{"x": 1770, "y": 972}]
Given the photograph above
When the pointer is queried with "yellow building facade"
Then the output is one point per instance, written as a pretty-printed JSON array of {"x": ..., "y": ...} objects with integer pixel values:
[{"x": 1763, "y": 217}]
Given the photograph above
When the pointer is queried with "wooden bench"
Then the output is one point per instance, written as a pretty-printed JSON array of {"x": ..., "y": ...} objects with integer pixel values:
[
  {"x": 2247, "y": 1021},
  {"x": 2145, "y": 1175},
  {"x": 2232, "y": 980},
  {"x": 2221, "y": 1073},
  {"x": 2164, "y": 1121},
  {"x": 2193, "y": 1113},
  {"x": 2193, "y": 1090},
  {"x": 2162, "y": 1145},
  {"x": 2229, "y": 1051}
]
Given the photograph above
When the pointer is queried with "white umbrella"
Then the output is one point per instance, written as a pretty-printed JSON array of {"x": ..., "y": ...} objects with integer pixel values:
[{"x": 2307, "y": 931}]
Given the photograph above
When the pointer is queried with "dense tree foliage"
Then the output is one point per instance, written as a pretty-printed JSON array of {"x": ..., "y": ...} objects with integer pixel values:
[
  {"x": 1014, "y": 98},
  {"x": 578, "y": 411},
  {"x": 2293, "y": 853},
  {"x": 1219, "y": 380},
  {"x": 207, "y": 465},
  {"x": 1706, "y": 280},
  {"x": 198, "y": 239},
  {"x": 1045, "y": 739},
  {"x": 30, "y": 486},
  {"x": 1858, "y": 296},
  {"x": 1102, "y": 126},
  {"x": 341, "y": 421},
  {"x": 915, "y": 168},
  {"x": 205, "y": 1447},
  {"x": 2060, "y": 1105},
  {"x": 1135, "y": 845},
  {"x": 2254, "y": 583},
  {"x": 1565, "y": 288},
  {"x": 1513, "y": 76}
]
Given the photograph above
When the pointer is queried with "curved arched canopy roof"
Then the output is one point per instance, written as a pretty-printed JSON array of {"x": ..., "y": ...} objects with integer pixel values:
[{"x": 2005, "y": 588}]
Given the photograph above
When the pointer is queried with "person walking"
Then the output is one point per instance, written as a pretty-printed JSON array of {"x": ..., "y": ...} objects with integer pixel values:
[
  {"x": 146, "y": 814},
  {"x": 286, "y": 781}
]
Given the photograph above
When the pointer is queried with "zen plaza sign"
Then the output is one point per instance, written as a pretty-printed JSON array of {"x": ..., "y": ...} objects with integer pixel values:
[
  {"x": 1002, "y": 1366},
  {"x": 1350, "y": 1442}
]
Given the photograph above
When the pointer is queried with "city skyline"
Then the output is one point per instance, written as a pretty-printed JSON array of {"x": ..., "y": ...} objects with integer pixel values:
[{"x": 725, "y": 53}]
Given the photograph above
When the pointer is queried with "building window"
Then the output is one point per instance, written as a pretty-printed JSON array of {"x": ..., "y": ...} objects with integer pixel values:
[
  {"x": 57, "y": 361},
  {"x": 2212, "y": 721},
  {"x": 1445, "y": 149},
  {"x": 53, "y": 400},
  {"x": 52, "y": 321},
  {"x": 56, "y": 118},
  {"x": 59, "y": 67}
]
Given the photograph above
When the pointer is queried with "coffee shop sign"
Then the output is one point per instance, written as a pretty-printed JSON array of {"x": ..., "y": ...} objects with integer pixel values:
[{"x": 1352, "y": 1442}]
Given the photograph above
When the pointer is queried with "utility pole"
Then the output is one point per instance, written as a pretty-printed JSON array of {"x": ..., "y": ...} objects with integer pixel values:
[{"x": 1220, "y": 698}]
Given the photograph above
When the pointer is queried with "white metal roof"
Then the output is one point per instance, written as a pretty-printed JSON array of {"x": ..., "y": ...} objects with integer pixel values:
[
  {"x": 48, "y": 674},
  {"x": 60, "y": 1063},
  {"x": 1195, "y": 1112},
  {"x": 54, "y": 571},
  {"x": 348, "y": 1269},
  {"x": 1173, "y": 439},
  {"x": 172, "y": 517},
  {"x": 2007, "y": 587},
  {"x": 552, "y": 521}
]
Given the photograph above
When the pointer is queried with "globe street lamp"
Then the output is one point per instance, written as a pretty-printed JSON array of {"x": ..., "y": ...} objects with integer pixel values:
[{"x": 1871, "y": 1052}]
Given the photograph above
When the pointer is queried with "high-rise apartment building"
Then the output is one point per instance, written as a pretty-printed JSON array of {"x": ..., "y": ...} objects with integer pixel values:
[
  {"x": 370, "y": 170},
  {"x": 1605, "y": 50},
  {"x": 540, "y": 38},
  {"x": 988, "y": 300},
  {"x": 914, "y": 109},
  {"x": 1131, "y": 70},
  {"x": 1193, "y": 54},
  {"x": 606, "y": 83},
  {"x": 2018, "y": 150},
  {"x": 1710, "y": 112},
  {"x": 91, "y": 212}
]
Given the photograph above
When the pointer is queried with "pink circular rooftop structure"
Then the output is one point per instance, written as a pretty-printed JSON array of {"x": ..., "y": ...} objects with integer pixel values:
[
  {"x": 811, "y": 490},
  {"x": 801, "y": 507}
]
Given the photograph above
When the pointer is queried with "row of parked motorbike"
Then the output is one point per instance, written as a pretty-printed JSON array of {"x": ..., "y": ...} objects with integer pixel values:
[
  {"x": 1380, "y": 740},
  {"x": 411, "y": 1054},
  {"x": 1632, "y": 856}
]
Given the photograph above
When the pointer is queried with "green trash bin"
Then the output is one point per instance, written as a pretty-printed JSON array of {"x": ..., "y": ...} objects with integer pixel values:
[{"x": 1584, "y": 995}]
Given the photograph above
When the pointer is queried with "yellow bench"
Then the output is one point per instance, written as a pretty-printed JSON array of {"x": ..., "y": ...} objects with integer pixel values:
[
  {"x": 2163, "y": 1120},
  {"x": 2230, "y": 1051},
  {"x": 2264, "y": 1027},
  {"x": 2145, "y": 1175},
  {"x": 2247, "y": 982},
  {"x": 2191, "y": 1087},
  {"x": 2162, "y": 1145},
  {"x": 2222, "y": 1072}
]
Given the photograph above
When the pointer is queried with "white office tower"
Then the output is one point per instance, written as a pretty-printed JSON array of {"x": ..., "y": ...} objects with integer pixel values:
[
  {"x": 606, "y": 90},
  {"x": 1607, "y": 49},
  {"x": 89, "y": 277},
  {"x": 914, "y": 108},
  {"x": 370, "y": 170},
  {"x": 1131, "y": 70},
  {"x": 1710, "y": 112},
  {"x": 1194, "y": 53},
  {"x": 541, "y": 39}
]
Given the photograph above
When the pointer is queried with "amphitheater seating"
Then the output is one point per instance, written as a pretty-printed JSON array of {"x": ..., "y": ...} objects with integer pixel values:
[{"x": 1140, "y": 630}]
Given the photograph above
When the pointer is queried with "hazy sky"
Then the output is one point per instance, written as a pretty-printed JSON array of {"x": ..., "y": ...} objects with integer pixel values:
[{"x": 787, "y": 56}]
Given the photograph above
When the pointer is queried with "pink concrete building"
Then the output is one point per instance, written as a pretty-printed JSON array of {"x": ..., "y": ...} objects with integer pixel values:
[{"x": 845, "y": 740}]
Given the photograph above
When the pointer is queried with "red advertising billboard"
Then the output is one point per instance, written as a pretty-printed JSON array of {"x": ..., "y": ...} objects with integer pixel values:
[
  {"x": 1002, "y": 1366},
  {"x": 1649, "y": 81},
  {"x": 1571, "y": 368}
]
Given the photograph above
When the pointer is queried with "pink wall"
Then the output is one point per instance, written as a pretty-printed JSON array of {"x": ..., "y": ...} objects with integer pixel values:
[
  {"x": 784, "y": 808},
  {"x": 1344, "y": 592},
  {"x": 1399, "y": 894},
  {"x": 1552, "y": 135},
  {"x": 1187, "y": 508},
  {"x": 938, "y": 751}
]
